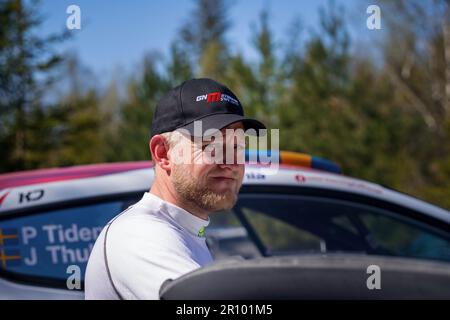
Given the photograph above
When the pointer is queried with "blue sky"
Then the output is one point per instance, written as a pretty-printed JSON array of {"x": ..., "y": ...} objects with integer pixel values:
[{"x": 117, "y": 33}]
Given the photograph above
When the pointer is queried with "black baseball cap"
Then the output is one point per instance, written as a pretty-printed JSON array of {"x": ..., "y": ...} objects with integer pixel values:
[{"x": 203, "y": 100}]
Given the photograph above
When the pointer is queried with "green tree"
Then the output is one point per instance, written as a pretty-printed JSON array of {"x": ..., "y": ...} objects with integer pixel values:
[
  {"x": 80, "y": 139},
  {"x": 71, "y": 130},
  {"x": 179, "y": 68},
  {"x": 203, "y": 38},
  {"x": 315, "y": 115},
  {"x": 137, "y": 112},
  {"x": 25, "y": 57},
  {"x": 416, "y": 56},
  {"x": 259, "y": 85}
]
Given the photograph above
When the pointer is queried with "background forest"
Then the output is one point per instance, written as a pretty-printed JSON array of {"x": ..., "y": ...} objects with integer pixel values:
[{"x": 383, "y": 116}]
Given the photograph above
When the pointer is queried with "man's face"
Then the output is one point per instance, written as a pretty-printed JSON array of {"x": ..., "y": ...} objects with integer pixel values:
[{"x": 210, "y": 186}]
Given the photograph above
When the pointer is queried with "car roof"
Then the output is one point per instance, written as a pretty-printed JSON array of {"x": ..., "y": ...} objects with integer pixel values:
[
  {"x": 28, "y": 189},
  {"x": 30, "y": 177}
]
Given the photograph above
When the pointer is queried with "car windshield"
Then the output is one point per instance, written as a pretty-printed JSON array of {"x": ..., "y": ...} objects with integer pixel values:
[{"x": 264, "y": 224}]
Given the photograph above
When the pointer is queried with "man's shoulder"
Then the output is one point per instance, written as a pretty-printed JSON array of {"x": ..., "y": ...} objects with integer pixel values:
[{"x": 138, "y": 224}]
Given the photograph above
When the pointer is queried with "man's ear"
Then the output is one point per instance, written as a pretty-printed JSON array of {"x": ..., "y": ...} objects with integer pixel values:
[{"x": 159, "y": 148}]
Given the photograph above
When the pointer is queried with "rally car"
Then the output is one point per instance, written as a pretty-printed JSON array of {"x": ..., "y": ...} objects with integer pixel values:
[{"x": 304, "y": 226}]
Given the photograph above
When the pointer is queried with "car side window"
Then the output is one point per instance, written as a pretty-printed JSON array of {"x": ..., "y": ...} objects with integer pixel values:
[
  {"x": 226, "y": 236},
  {"x": 281, "y": 237},
  {"x": 404, "y": 239},
  {"x": 295, "y": 224},
  {"x": 44, "y": 244}
]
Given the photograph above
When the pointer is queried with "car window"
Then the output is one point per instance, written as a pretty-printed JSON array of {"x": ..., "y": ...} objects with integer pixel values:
[
  {"x": 292, "y": 224},
  {"x": 226, "y": 236},
  {"x": 279, "y": 236},
  {"x": 44, "y": 244},
  {"x": 405, "y": 240}
]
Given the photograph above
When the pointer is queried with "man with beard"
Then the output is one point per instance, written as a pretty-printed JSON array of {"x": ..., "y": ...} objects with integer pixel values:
[{"x": 162, "y": 236}]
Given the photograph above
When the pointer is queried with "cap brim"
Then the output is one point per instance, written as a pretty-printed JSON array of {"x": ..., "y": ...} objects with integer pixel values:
[{"x": 219, "y": 121}]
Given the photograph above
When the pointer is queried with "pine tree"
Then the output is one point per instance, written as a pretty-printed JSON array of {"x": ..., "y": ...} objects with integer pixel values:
[
  {"x": 137, "y": 112},
  {"x": 203, "y": 38},
  {"x": 24, "y": 56}
]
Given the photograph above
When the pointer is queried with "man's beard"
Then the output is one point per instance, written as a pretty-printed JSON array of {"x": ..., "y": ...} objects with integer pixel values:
[{"x": 192, "y": 191}]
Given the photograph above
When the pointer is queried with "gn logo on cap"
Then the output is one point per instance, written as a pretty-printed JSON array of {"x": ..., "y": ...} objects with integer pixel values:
[
  {"x": 210, "y": 97},
  {"x": 217, "y": 97}
]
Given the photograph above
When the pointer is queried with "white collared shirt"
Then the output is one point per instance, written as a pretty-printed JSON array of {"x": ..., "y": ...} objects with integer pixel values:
[{"x": 148, "y": 243}]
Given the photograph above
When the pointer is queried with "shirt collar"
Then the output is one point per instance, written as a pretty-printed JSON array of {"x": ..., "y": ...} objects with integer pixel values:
[{"x": 186, "y": 220}]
